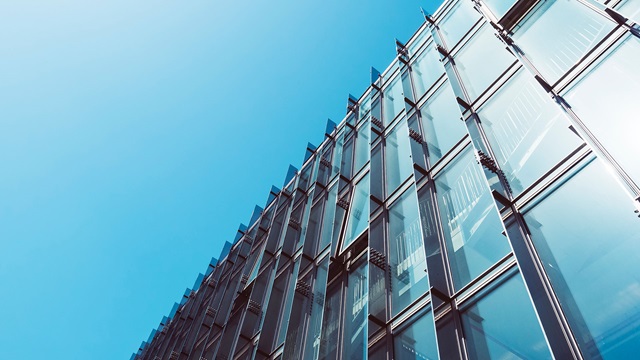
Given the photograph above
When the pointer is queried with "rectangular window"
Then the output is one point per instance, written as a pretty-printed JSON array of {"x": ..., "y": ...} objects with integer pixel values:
[
  {"x": 363, "y": 148},
  {"x": 356, "y": 311},
  {"x": 393, "y": 102},
  {"x": 553, "y": 41},
  {"x": 331, "y": 323},
  {"x": 312, "y": 347},
  {"x": 472, "y": 227},
  {"x": 481, "y": 61},
  {"x": 358, "y": 212},
  {"x": 458, "y": 22},
  {"x": 441, "y": 122},
  {"x": 397, "y": 151},
  {"x": 417, "y": 340},
  {"x": 426, "y": 70},
  {"x": 491, "y": 328},
  {"x": 527, "y": 130},
  {"x": 407, "y": 255},
  {"x": 588, "y": 237},
  {"x": 604, "y": 103}
]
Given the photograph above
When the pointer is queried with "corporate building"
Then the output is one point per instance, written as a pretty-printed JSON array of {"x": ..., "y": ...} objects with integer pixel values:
[{"x": 479, "y": 201}]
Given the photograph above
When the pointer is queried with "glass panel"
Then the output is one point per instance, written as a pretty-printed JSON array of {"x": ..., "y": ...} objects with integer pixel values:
[
  {"x": 365, "y": 106},
  {"x": 419, "y": 40},
  {"x": 588, "y": 237},
  {"x": 491, "y": 331},
  {"x": 393, "y": 101},
  {"x": 417, "y": 341},
  {"x": 441, "y": 122},
  {"x": 554, "y": 42},
  {"x": 359, "y": 211},
  {"x": 499, "y": 7},
  {"x": 630, "y": 9},
  {"x": 527, "y": 130},
  {"x": 426, "y": 70},
  {"x": 331, "y": 323},
  {"x": 312, "y": 347},
  {"x": 397, "y": 151},
  {"x": 407, "y": 255},
  {"x": 458, "y": 22},
  {"x": 337, "y": 156},
  {"x": 355, "y": 332},
  {"x": 346, "y": 169},
  {"x": 607, "y": 102},
  {"x": 329, "y": 216},
  {"x": 363, "y": 150},
  {"x": 481, "y": 61},
  {"x": 472, "y": 228}
]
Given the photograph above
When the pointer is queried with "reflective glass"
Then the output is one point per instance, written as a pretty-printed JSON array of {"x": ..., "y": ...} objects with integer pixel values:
[
  {"x": 419, "y": 40},
  {"x": 458, "y": 22},
  {"x": 426, "y": 70},
  {"x": 481, "y": 61},
  {"x": 331, "y": 323},
  {"x": 397, "y": 151},
  {"x": 441, "y": 122},
  {"x": 312, "y": 347},
  {"x": 499, "y": 7},
  {"x": 417, "y": 341},
  {"x": 407, "y": 256},
  {"x": 329, "y": 216},
  {"x": 527, "y": 130},
  {"x": 588, "y": 237},
  {"x": 630, "y": 9},
  {"x": 365, "y": 106},
  {"x": 355, "y": 336},
  {"x": 554, "y": 42},
  {"x": 358, "y": 211},
  {"x": 604, "y": 102},
  {"x": 363, "y": 150},
  {"x": 337, "y": 154},
  {"x": 491, "y": 328},
  {"x": 393, "y": 101},
  {"x": 472, "y": 228}
]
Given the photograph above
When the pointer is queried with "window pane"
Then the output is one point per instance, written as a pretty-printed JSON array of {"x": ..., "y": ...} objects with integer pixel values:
[
  {"x": 491, "y": 328},
  {"x": 589, "y": 240},
  {"x": 441, "y": 122},
  {"x": 499, "y": 7},
  {"x": 398, "y": 163},
  {"x": 630, "y": 9},
  {"x": 363, "y": 151},
  {"x": 426, "y": 70},
  {"x": 481, "y": 61},
  {"x": 355, "y": 339},
  {"x": 407, "y": 257},
  {"x": 604, "y": 102},
  {"x": 358, "y": 211},
  {"x": 330, "y": 323},
  {"x": 554, "y": 42},
  {"x": 473, "y": 230},
  {"x": 315, "y": 322},
  {"x": 393, "y": 100},
  {"x": 417, "y": 341},
  {"x": 527, "y": 130},
  {"x": 458, "y": 22},
  {"x": 329, "y": 217}
]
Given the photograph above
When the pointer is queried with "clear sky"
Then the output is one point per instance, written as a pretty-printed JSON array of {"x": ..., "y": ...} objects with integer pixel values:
[{"x": 135, "y": 136}]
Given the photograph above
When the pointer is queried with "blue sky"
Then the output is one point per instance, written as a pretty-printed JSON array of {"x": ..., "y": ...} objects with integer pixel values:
[{"x": 135, "y": 136}]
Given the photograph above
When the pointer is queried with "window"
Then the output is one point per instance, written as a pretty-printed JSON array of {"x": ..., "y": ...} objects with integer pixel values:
[
  {"x": 472, "y": 228},
  {"x": 417, "y": 341},
  {"x": 527, "y": 130},
  {"x": 426, "y": 70},
  {"x": 358, "y": 212},
  {"x": 407, "y": 256},
  {"x": 363, "y": 150},
  {"x": 553, "y": 41},
  {"x": 441, "y": 122},
  {"x": 604, "y": 103},
  {"x": 355, "y": 336},
  {"x": 588, "y": 238},
  {"x": 491, "y": 328},
  {"x": 499, "y": 7},
  {"x": 458, "y": 22},
  {"x": 393, "y": 100},
  {"x": 398, "y": 163},
  {"x": 481, "y": 61}
]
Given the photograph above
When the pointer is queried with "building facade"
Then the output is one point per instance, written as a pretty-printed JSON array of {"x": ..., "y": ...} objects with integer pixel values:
[{"x": 479, "y": 201}]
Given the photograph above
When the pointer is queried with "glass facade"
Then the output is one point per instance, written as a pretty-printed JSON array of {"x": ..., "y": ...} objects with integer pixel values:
[{"x": 480, "y": 200}]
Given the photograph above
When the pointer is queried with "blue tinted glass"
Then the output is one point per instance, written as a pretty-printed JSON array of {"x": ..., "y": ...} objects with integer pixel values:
[
  {"x": 417, "y": 341},
  {"x": 527, "y": 130},
  {"x": 355, "y": 339},
  {"x": 315, "y": 320},
  {"x": 393, "y": 100},
  {"x": 472, "y": 228},
  {"x": 398, "y": 163},
  {"x": 363, "y": 150},
  {"x": 481, "y": 61},
  {"x": 426, "y": 70},
  {"x": 330, "y": 323},
  {"x": 358, "y": 211},
  {"x": 554, "y": 42},
  {"x": 491, "y": 328},
  {"x": 458, "y": 22},
  {"x": 614, "y": 124},
  {"x": 589, "y": 240},
  {"x": 630, "y": 9},
  {"x": 441, "y": 122},
  {"x": 499, "y": 7},
  {"x": 407, "y": 254}
]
